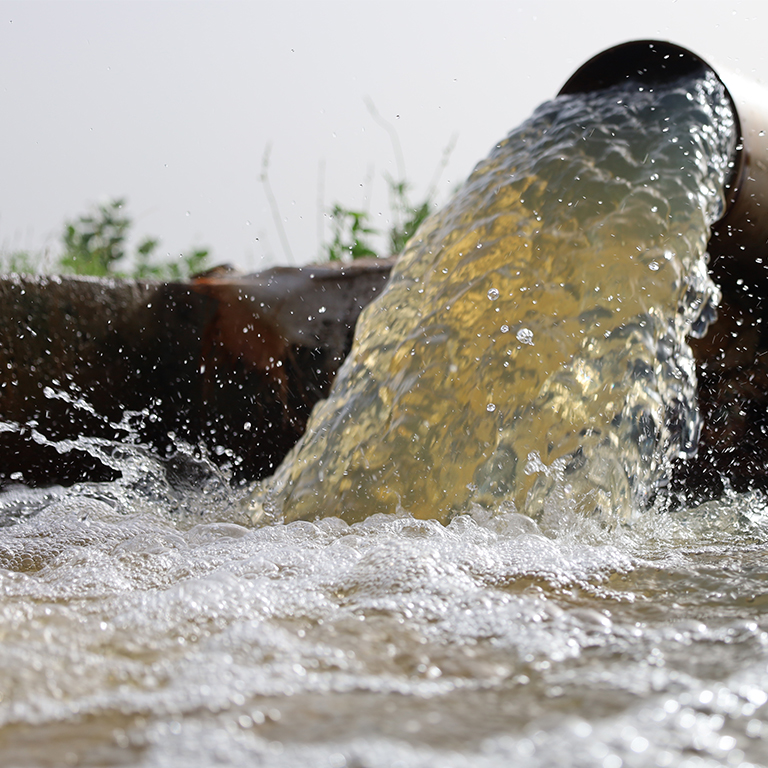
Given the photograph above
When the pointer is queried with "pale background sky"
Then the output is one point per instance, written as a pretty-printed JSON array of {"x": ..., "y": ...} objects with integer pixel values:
[{"x": 171, "y": 104}]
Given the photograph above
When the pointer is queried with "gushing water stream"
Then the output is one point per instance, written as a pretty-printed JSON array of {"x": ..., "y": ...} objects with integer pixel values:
[
  {"x": 516, "y": 393},
  {"x": 531, "y": 343}
]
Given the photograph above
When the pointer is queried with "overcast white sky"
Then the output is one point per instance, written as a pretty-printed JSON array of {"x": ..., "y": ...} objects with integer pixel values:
[{"x": 171, "y": 104}]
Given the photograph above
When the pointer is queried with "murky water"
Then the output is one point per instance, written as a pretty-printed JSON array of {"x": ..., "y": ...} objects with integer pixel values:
[
  {"x": 131, "y": 636},
  {"x": 530, "y": 345},
  {"x": 145, "y": 625}
]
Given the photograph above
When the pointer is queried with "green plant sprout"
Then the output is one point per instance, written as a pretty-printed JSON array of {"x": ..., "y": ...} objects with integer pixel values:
[
  {"x": 96, "y": 244},
  {"x": 352, "y": 233}
]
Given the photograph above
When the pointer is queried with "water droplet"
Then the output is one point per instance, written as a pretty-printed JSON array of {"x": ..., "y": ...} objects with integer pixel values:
[
  {"x": 654, "y": 266},
  {"x": 525, "y": 336},
  {"x": 505, "y": 329},
  {"x": 493, "y": 294},
  {"x": 490, "y": 407},
  {"x": 321, "y": 310}
]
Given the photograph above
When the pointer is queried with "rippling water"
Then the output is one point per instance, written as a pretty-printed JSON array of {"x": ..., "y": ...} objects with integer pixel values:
[
  {"x": 132, "y": 636},
  {"x": 143, "y": 624}
]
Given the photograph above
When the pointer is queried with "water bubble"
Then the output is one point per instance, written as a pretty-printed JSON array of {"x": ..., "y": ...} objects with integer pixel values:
[
  {"x": 490, "y": 407},
  {"x": 654, "y": 266},
  {"x": 493, "y": 294},
  {"x": 525, "y": 336},
  {"x": 504, "y": 328},
  {"x": 321, "y": 311}
]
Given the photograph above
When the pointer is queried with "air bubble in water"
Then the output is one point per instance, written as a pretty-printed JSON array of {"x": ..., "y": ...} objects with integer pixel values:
[
  {"x": 493, "y": 294},
  {"x": 525, "y": 336}
]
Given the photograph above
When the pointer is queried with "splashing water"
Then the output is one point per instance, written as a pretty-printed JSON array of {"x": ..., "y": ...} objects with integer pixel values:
[
  {"x": 146, "y": 640},
  {"x": 141, "y": 626},
  {"x": 530, "y": 347}
]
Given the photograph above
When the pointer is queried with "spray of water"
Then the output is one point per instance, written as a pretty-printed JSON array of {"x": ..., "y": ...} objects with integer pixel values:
[{"x": 184, "y": 481}]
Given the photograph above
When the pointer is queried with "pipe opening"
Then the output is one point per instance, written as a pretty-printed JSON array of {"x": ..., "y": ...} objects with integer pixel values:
[{"x": 652, "y": 62}]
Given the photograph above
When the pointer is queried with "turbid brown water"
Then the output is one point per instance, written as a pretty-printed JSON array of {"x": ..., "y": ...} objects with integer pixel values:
[
  {"x": 531, "y": 342},
  {"x": 147, "y": 626}
]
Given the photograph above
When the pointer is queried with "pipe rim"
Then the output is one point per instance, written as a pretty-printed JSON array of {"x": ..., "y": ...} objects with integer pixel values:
[{"x": 655, "y": 62}]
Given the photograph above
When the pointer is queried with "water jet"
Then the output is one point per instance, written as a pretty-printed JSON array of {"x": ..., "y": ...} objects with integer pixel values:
[{"x": 531, "y": 346}]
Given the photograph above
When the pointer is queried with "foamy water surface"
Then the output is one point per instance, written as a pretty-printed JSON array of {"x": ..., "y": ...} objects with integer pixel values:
[{"x": 134, "y": 635}]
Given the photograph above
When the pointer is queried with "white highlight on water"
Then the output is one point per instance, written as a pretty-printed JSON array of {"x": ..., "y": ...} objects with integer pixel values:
[{"x": 144, "y": 626}]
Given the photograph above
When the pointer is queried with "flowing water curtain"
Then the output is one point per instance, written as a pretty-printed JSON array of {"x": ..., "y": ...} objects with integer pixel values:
[{"x": 530, "y": 347}]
